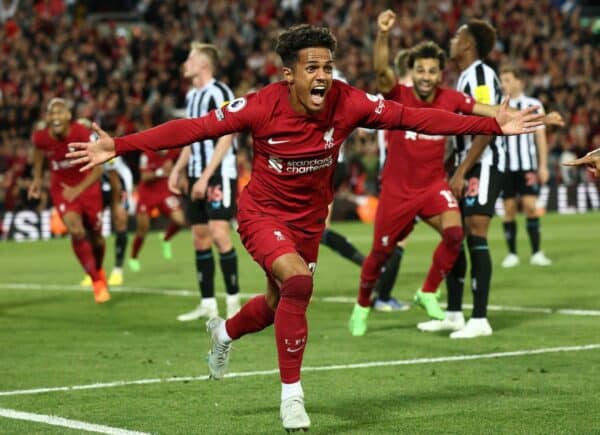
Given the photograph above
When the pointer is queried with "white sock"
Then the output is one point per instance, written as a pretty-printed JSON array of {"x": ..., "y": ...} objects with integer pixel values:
[
  {"x": 222, "y": 334},
  {"x": 291, "y": 390},
  {"x": 210, "y": 303},
  {"x": 117, "y": 270},
  {"x": 232, "y": 299},
  {"x": 454, "y": 316}
]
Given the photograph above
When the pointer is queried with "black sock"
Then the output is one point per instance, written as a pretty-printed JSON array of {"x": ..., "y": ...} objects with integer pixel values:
[
  {"x": 229, "y": 269},
  {"x": 510, "y": 235},
  {"x": 205, "y": 266},
  {"x": 388, "y": 275},
  {"x": 120, "y": 248},
  {"x": 455, "y": 281},
  {"x": 533, "y": 228},
  {"x": 481, "y": 274},
  {"x": 342, "y": 246}
]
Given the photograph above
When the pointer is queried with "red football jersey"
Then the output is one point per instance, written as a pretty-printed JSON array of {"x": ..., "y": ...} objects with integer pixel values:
[
  {"x": 295, "y": 154},
  {"x": 61, "y": 168},
  {"x": 415, "y": 160}
]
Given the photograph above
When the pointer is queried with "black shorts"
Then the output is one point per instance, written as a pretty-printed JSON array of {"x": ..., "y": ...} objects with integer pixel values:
[
  {"x": 107, "y": 193},
  {"x": 340, "y": 175},
  {"x": 484, "y": 184},
  {"x": 219, "y": 203},
  {"x": 521, "y": 183}
]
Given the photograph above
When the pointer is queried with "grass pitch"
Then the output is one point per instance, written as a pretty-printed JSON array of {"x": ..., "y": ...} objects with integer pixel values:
[{"x": 53, "y": 336}]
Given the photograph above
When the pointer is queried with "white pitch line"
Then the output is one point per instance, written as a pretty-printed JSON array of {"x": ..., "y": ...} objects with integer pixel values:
[
  {"x": 364, "y": 365},
  {"x": 64, "y": 422},
  {"x": 329, "y": 299}
]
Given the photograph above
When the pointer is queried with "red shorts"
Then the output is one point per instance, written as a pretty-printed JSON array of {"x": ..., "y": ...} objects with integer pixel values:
[
  {"x": 395, "y": 218},
  {"x": 88, "y": 205},
  {"x": 266, "y": 238},
  {"x": 158, "y": 196}
]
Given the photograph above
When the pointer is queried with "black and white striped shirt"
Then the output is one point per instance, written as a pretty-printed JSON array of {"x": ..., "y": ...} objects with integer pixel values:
[
  {"x": 522, "y": 149},
  {"x": 199, "y": 102},
  {"x": 481, "y": 82}
]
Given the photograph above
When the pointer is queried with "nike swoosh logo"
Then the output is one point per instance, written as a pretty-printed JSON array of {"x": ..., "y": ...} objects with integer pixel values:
[
  {"x": 289, "y": 349},
  {"x": 272, "y": 141}
]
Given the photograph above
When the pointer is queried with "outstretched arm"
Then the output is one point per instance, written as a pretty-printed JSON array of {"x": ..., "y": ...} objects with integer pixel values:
[
  {"x": 591, "y": 160},
  {"x": 386, "y": 79},
  {"x": 172, "y": 134},
  {"x": 481, "y": 109}
]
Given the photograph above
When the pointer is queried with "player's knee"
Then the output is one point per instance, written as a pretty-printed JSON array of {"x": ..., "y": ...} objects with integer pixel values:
[
  {"x": 77, "y": 232},
  {"x": 297, "y": 288},
  {"x": 453, "y": 237}
]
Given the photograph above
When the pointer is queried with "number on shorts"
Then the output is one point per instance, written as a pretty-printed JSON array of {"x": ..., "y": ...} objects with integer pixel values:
[{"x": 452, "y": 203}]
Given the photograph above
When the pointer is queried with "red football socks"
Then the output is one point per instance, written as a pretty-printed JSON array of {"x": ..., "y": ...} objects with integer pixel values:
[
  {"x": 83, "y": 251},
  {"x": 291, "y": 329},
  {"x": 254, "y": 316},
  {"x": 444, "y": 258},
  {"x": 136, "y": 246},
  {"x": 172, "y": 229}
]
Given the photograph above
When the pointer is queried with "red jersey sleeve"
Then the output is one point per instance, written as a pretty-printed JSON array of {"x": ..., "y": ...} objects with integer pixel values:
[
  {"x": 464, "y": 103},
  {"x": 373, "y": 112},
  {"x": 239, "y": 115}
]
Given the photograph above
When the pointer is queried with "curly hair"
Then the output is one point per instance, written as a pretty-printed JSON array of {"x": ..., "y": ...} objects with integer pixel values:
[
  {"x": 426, "y": 50},
  {"x": 484, "y": 35},
  {"x": 303, "y": 36}
]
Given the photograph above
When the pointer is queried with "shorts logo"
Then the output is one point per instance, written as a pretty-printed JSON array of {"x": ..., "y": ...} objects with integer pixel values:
[
  {"x": 328, "y": 138},
  {"x": 312, "y": 267},
  {"x": 236, "y": 105},
  {"x": 276, "y": 164},
  {"x": 279, "y": 235},
  {"x": 385, "y": 240},
  {"x": 470, "y": 202},
  {"x": 452, "y": 203}
]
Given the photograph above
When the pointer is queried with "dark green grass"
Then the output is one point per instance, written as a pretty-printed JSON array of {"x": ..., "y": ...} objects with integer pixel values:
[{"x": 55, "y": 337}]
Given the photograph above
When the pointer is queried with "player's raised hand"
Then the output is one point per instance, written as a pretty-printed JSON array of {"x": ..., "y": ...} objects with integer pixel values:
[
  {"x": 523, "y": 121},
  {"x": 591, "y": 160},
  {"x": 94, "y": 153},
  {"x": 386, "y": 20}
]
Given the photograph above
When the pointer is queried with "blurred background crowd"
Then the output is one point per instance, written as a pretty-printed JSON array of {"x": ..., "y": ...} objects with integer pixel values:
[{"x": 119, "y": 62}]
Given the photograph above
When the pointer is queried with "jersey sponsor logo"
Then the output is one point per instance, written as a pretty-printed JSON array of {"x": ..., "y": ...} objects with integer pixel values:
[
  {"x": 298, "y": 167},
  {"x": 236, "y": 105},
  {"x": 413, "y": 135},
  {"x": 272, "y": 141},
  {"x": 57, "y": 165},
  {"x": 328, "y": 138}
]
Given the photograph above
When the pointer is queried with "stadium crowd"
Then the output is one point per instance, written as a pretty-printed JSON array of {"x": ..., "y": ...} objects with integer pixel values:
[{"x": 122, "y": 70}]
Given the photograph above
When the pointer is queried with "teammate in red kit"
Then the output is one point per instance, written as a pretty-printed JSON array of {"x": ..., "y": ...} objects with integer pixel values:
[
  {"x": 75, "y": 194},
  {"x": 297, "y": 127},
  {"x": 153, "y": 191}
]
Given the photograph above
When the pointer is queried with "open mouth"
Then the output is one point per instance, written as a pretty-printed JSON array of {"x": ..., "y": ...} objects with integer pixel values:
[{"x": 317, "y": 94}]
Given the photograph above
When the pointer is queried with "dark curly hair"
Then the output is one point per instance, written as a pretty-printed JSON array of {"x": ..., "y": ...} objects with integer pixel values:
[
  {"x": 303, "y": 36},
  {"x": 426, "y": 50},
  {"x": 484, "y": 35}
]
